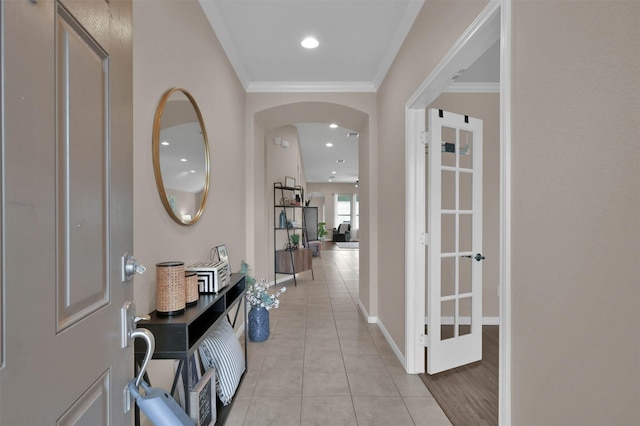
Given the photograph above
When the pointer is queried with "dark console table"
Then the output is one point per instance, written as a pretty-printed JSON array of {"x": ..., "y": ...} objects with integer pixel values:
[{"x": 178, "y": 336}]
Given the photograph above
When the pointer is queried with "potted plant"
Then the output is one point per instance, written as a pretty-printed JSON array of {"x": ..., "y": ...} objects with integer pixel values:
[
  {"x": 322, "y": 231},
  {"x": 295, "y": 240},
  {"x": 261, "y": 302}
]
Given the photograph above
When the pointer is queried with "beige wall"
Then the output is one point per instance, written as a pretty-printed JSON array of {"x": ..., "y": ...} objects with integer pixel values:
[
  {"x": 267, "y": 111},
  {"x": 576, "y": 198},
  {"x": 485, "y": 106},
  {"x": 576, "y": 192},
  {"x": 279, "y": 163},
  {"x": 576, "y": 213},
  {"x": 435, "y": 30},
  {"x": 188, "y": 56}
]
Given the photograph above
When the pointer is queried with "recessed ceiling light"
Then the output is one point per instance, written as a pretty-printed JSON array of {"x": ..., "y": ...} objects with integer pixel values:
[
  {"x": 329, "y": 144},
  {"x": 165, "y": 143},
  {"x": 192, "y": 171},
  {"x": 330, "y": 180},
  {"x": 310, "y": 43},
  {"x": 333, "y": 173},
  {"x": 333, "y": 125},
  {"x": 339, "y": 161},
  {"x": 184, "y": 160}
]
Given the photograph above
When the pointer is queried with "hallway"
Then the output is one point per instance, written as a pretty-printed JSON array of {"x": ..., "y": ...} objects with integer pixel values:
[{"x": 323, "y": 364}]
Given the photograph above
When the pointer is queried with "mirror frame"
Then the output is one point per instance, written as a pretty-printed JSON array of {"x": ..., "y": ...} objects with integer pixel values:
[{"x": 156, "y": 157}]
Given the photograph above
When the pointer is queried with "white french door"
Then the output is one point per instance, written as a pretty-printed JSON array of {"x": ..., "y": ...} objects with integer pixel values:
[{"x": 454, "y": 248}]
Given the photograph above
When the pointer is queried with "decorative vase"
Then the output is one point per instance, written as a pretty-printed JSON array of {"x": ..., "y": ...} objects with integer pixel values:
[{"x": 258, "y": 324}]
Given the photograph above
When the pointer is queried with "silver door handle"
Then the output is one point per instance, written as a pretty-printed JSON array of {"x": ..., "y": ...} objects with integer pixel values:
[
  {"x": 148, "y": 337},
  {"x": 128, "y": 320},
  {"x": 130, "y": 267}
]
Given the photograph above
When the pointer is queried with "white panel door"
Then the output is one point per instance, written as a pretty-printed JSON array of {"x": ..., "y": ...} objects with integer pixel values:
[
  {"x": 454, "y": 251},
  {"x": 67, "y": 214}
]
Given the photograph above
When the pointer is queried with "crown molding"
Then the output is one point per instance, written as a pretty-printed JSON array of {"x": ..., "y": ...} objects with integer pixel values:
[
  {"x": 216, "y": 22},
  {"x": 410, "y": 15},
  {"x": 320, "y": 86},
  {"x": 473, "y": 88}
]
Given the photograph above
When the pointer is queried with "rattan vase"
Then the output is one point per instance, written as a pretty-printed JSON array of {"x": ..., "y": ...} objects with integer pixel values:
[
  {"x": 191, "y": 288},
  {"x": 170, "y": 291}
]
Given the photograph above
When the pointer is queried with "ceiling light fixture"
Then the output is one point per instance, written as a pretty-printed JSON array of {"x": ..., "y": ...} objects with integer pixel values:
[
  {"x": 333, "y": 125},
  {"x": 333, "y": 173},
  {"x": 329, "y": 144},
  {"x": 165, "y": 143},
  {"x": 310, "y": 43},
  {"x": 340, "y": 161},
  {"x": 184, "y": 160}
]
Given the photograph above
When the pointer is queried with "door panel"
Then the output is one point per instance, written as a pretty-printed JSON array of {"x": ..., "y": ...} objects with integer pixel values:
[
  {"x": 454, "y": 290},
  {"x": 81, "y": 91},
  {"x": 92, "y": 408},
  {"x": 67, "y": 217}
]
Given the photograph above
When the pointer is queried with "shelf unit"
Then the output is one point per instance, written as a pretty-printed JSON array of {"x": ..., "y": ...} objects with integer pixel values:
[
  {"x": 288, "y": 261},
  {"x": 178, "y": 336}
]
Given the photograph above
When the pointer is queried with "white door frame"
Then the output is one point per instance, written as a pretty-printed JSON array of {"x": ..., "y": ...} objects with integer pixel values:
[{"x": 493, "y": 22}]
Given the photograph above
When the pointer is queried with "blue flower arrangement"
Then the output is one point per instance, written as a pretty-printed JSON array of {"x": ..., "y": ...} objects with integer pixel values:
[{"x": 257, "y": 294}]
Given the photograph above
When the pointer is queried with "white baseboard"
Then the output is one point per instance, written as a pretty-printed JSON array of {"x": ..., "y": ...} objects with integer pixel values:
[
  {"x": 393, "y": 345},
  {"x": 387, "y": 336},
  {"x": 370, "y": 319},
  {"x": 467, "y": 320}
]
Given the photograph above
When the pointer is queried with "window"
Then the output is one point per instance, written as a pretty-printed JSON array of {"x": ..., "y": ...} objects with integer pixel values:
[{"x": 343, "y": 208}]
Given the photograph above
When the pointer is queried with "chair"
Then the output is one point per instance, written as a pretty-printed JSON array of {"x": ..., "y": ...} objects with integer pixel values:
[{"x": 343, "y": 233}]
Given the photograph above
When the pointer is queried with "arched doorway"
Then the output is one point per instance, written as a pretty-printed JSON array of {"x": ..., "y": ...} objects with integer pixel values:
[{"x": 263, "y": 118}]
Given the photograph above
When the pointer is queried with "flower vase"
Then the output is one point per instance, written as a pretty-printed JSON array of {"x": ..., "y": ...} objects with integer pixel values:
[{"x": 258, "y": 324}]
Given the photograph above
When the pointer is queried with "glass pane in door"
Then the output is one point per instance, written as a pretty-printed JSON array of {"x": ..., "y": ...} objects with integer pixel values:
[
  {"x": 448, "y": 146},
  {"x": 448, "y": 277},
  {"x": 465, "y": 191},
  {"x": 466, "y": 149},
  {"x": 448, "y": 194},
  {"x": 465, "y": 232},
  {"x": 464, "y": 275},
  {"x": 464, "y": 309},
  {"x": 448, "y": 231},
  {"x": 447, "y": 313}
]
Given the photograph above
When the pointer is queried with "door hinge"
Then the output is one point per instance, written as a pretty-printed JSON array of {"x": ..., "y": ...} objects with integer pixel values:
[
  {"x": 424, "y": 340},
  {"x": 424, "y": 239},
  {"x": 425, "y": 137}
]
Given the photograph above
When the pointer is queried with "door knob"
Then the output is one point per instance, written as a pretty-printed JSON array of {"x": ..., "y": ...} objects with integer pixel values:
[
  {"x": 129, "y": 319},
  {"x": 130, "y": 267},
  {"x": 479, "y": 257}
]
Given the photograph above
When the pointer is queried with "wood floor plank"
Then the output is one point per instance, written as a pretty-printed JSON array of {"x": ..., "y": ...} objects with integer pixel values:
[{"x": 469, "y": 394}]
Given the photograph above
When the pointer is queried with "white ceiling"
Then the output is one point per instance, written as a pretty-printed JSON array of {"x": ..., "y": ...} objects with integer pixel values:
[
  {"x": 320, "y": 161},
  {"x": 358, "y": 41}
]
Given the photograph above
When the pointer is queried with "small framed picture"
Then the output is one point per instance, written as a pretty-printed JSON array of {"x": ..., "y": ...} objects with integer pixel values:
[
  {"x": 223, "y": 256},
  {"x": 194, "y": 369},
  {"x": 289, "y": 182}
]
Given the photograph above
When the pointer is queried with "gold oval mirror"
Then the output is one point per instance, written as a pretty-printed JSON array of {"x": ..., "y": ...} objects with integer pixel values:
[{"x": 181, "y": 156}]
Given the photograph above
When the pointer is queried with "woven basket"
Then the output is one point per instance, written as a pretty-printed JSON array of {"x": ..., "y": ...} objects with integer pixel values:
[
  {"x": 191, "y": 288},
  {"x": 170, "y": 292}
]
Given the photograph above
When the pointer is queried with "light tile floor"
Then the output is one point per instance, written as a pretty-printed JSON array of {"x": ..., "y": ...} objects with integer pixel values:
[{"x": 323, "y": 364}]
